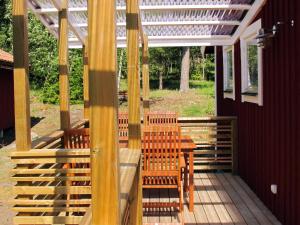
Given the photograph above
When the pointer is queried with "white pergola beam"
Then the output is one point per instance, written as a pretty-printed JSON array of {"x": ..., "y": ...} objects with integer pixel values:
[
  {"x": 169, "y": 43},
  {"x": 78, "y": 34},
  {"x": 251, "y": 14},
  {"x": 173, "y": 23},
  {"x": 162, "y": 7},
  {"x": 42, "y": 19}
]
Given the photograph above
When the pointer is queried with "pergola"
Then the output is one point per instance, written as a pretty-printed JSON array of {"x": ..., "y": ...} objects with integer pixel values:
[
  {"x": 149, "y": 23},
  {"x": 166, "y": 22}
]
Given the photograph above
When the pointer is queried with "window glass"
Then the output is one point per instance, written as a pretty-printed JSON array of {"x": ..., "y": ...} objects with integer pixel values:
[
  {"x": 229, "y": 83},
  {"x": 252, "y": 59}
]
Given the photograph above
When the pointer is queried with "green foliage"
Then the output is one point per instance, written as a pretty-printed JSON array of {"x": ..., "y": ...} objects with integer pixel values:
[
  {"x": 5, "y": 25},
  {"x": 166, "y": 61},
  {"x": 43, "y": 58}
]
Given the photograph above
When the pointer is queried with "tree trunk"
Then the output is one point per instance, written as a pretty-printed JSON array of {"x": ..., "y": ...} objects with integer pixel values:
[
  {"x": 160, "y": 80},
  {"x": 185, "y": 69},
  {"x": 203, "y": 68},
  {"x": 120, "y": 68}
]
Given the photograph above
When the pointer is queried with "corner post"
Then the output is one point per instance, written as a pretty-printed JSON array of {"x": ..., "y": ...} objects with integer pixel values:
[
  {"x": 64, "y": 90},
  {"x": 21, "y": 75},
  {"x": 86, "y": 99},
  {"x": 134, "y": 114},
  {"x": 146, "y": 88},
  {"x": 103, "y": 112}
]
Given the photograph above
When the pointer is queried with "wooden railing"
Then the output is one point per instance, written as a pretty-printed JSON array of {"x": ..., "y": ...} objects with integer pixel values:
[
  {"x": 48, "y": 192},
  {"x": 216, "y": 140}
]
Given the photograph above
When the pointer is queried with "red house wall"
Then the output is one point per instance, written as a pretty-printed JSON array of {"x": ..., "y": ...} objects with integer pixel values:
[
  {"x": 269, "y": 136},
  {"x": 6, "y": 99}
]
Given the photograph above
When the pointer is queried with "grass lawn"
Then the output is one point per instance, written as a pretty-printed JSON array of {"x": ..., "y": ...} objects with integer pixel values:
[{"x": 198, "y": 101}]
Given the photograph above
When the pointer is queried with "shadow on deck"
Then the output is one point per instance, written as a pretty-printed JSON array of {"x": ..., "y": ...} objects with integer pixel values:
[{"x": 219, "y": 199}]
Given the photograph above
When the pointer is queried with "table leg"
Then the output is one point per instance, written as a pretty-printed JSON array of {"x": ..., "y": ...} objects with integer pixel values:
[
  {"x": 191, "y": 181},
  {"x": 186, "y": 173}
]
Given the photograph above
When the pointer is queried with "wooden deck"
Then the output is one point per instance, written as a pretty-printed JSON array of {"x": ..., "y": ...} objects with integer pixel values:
[{"x": 219, "y": 199}]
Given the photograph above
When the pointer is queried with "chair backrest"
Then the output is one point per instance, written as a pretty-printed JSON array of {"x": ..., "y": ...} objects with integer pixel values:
[
  {"x": 152, "y": 118},
  {"x": 123, "y": 124},
  {"x": 77, "y": 138},
  {"x": 161, "y": 148}
]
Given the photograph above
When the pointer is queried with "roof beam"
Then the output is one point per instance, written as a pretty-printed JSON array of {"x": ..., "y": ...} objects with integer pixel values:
[
  {"x": 42, "y": 19},
  {"x": 251, "y": 14},
  {"x": 163, "y": 7},
  {"x": 173, "y": 23},
  {"x": 78, "y": 34}
]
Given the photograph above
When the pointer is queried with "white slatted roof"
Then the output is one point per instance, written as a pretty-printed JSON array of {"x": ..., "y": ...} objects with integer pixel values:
[{"x": 166, "y": 22}]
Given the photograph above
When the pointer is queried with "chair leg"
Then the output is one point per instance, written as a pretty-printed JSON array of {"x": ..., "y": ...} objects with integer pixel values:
[{"x": 181, "y": 197}]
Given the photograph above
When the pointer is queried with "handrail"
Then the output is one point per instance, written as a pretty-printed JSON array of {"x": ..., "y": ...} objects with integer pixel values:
[{"x": 44, "y": 141}]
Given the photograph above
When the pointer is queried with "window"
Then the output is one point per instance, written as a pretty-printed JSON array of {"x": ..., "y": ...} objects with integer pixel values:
[
  {"x": 251, "y": 59},
  {"x": 228, "y": 68}
]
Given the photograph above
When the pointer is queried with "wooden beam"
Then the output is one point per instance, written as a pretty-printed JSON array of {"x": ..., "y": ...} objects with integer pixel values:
[
  {"x": 134, "y": 117},
  {"x": 86, "y": 83},
  {"x": 104, "y": 110},
  {"x": 63, "y": 68},
  {"x": 140, "y": 27},
  {"x": 21, "y": 74},
  {"x": 145, "y": 71},
  {"x": 59, "y": 6}
]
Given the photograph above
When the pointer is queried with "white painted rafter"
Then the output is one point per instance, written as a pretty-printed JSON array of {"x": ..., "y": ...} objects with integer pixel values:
[
  {"x": 78, "y": 34},
  {"x": 166, "y": 22},
  {"x": 254, "y": 10},
  {"x": 171, "y": 23},
  {"x": 162, "y": 7}
]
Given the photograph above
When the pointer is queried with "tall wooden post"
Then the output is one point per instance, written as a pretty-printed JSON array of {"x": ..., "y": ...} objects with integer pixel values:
[
  {"x": 21, "y": 81},
  {"x": 134, "y": 117},
  {"x": 86, "y": 98},
  {"x": 63, "y": 67},
  {"x": 146, "y": 88},
  {"x": 104, "y": 110}
]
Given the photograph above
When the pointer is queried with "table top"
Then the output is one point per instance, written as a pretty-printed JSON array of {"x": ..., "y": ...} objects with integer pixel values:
[{"x": 187, "y": 143}]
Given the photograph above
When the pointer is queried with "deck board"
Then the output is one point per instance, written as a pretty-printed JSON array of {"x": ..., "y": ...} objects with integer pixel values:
[{"x": 219, "y": 199}]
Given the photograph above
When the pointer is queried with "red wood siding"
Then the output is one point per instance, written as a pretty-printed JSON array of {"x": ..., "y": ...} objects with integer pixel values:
[
  {"x": 6, "y": 98},
  {"x": 269, "y": 136}
]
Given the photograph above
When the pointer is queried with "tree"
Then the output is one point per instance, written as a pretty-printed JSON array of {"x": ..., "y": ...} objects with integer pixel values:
[{"x": 185, "y": 69}]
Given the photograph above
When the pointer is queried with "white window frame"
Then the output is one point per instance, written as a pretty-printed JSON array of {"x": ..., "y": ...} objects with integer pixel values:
[
  {"x": 248, "y": 36},
  {"x": 225, "y": 50}
]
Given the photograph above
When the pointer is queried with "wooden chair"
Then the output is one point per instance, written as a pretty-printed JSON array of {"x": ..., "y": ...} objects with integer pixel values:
[
  {"x": 123, "y": 124},
  {"x": 162, "y": 162},
  {"x": 152, "y": 118},
  {"x": 76, "y": 139}
]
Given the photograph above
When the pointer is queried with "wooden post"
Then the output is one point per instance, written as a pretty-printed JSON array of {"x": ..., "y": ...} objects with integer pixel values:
[
  {"x": 136, "y": 198},
  {"x": 134, "y": 117},
  {"x": 104, "y": 110},
  {"x": 85, "y": 83},
  {"x": 146, "y": 88},
  {"x": 63, "y": 67},
  {"x": 21, "y": 81},
  {"x": 234, "y": 140}
]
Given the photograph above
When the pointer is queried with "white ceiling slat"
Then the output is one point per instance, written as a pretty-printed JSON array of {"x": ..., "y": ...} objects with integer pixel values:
[{"x": 166, "y": 22}]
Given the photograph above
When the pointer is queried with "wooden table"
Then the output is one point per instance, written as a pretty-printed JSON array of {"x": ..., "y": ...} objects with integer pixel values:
[{"x": 187, "y": 147}]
